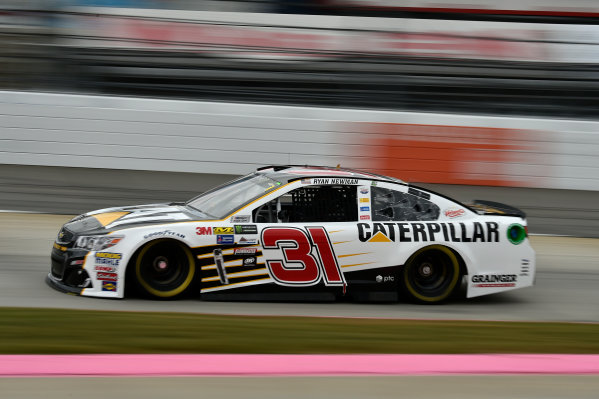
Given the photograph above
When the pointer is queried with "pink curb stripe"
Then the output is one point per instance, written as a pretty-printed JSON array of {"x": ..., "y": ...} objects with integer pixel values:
[{"x": 257, "y": 365}]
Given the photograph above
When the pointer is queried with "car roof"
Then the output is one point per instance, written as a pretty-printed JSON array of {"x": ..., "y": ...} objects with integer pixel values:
[{"x": 295, "y": 172}]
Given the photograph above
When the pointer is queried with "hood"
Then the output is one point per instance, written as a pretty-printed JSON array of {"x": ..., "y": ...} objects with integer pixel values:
[{"x": 110, "y": 219}]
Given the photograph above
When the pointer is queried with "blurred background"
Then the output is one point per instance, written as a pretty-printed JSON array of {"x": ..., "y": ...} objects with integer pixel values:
[{"x": 114, "y": 102}]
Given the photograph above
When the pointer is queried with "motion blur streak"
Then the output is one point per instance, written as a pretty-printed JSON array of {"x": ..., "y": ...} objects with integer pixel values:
[{"x": 514, "y": 59}]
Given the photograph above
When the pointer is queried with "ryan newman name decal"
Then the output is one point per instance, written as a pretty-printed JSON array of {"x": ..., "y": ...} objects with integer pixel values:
[{"x": 335, "y": 181}]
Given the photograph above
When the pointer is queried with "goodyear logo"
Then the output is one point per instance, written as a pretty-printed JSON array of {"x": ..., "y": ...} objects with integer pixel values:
[{"x": 223, "y": 230}]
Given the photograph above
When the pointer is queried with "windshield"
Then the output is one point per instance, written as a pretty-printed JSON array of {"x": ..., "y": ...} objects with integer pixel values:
[{"x": 223, "y": 200}]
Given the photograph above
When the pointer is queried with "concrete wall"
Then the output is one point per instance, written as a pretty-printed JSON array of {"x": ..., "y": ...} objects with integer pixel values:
[{"x": 226, "y": 138}]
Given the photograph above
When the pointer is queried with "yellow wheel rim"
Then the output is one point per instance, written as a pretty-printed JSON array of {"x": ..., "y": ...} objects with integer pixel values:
[
  {"x": 170, "y": 293},
  {"x": 454, "y": 265}
]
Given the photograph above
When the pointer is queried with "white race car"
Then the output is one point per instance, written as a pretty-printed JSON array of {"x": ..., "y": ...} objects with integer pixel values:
[{"x": 298, "y": 233}]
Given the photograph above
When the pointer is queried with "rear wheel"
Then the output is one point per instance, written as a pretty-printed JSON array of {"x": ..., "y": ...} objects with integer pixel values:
[
  {"x": 431, "y": 275},
  {"x": 164, "y": 269}
]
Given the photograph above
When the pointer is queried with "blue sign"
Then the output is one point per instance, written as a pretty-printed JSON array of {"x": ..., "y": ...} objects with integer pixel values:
[{"x": 225, "y": 239}]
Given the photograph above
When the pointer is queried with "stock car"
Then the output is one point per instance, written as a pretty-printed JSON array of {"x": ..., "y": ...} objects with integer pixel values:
[{"x": 298, "y": 233}]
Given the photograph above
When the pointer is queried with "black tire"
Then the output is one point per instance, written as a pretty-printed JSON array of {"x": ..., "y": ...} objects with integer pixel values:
[
  {"x": 164, "y": 269},
  {"x": 431, "y": 275}
]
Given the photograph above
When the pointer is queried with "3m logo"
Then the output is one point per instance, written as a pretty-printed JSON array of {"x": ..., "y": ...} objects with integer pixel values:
[{"x": 203, "y": 231}]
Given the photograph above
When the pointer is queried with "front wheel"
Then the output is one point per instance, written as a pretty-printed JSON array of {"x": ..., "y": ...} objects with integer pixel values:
[
  {"x": 164, "y": 269},
  {"x": 431, "y": 275}
]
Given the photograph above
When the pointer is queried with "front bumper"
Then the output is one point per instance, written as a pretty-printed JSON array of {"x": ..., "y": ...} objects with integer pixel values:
[
  {"x": 61, "y": 286},
  {"x": 67, "y": 273}
]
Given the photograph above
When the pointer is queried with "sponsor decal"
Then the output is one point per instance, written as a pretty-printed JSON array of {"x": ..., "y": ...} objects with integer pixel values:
[
  {"x": 246, "y": 229},
  {"x": 248, "y": 241},
  {"x": 109, "y": 286},
  {"x": 204, "y": 231},
  {"x": 219, "y": 261},
  {"x": 106, "y": 276},
  {"x": 424, "y": 232},
  {"x": 164, "y": 233},
  {"x": 494, "y": 280},
  {"x": 306, "y": 181},
  {"x": 454, "y": 212},
  {"x": 364, "y": 217},
  {"x": 516, "y": 233},
  {"x": 379, "y": 279},
  {"x": 241, "y": 219},
  {"x": 245, "y": 251},
  {"x": 364, "y": 190},
  {"x": 335, "y": 181},
  {"x": 364, "y": 199},
  {"x": 225, "y": 239},
  {"x": 108, "y": 258},
  {"x": 108, "y": 255},
  {"x": 249, "y": 261},
  {"x": 373, "y": 183},
  {"x": 107, "y": 269},
  {"x": 223, "y": 230},
  {"x": 364, "y": 209}
]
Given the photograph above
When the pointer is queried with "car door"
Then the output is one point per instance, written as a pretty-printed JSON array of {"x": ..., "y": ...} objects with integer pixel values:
[{"x": 301, "y": 232}]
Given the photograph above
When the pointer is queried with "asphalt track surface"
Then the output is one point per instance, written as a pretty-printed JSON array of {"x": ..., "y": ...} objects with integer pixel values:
[
  {"x": 413, "y": 387},
  {"x": 565, "y": 290}
]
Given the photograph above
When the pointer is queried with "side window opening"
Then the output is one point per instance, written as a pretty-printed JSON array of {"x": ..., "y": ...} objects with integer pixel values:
[
  {"x": 397, "y": 206},
  {"x": 311, "y": 204}
]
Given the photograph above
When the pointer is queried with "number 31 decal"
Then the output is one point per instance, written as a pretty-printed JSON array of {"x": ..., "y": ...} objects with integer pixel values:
[{"x": 307, "y": 257}]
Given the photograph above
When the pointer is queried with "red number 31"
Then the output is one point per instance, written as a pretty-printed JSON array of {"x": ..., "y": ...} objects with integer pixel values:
[{"x": 307, "y": 257}]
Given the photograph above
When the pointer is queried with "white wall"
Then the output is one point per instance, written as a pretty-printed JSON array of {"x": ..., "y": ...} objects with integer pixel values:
[{"x": 227, "y": 138}]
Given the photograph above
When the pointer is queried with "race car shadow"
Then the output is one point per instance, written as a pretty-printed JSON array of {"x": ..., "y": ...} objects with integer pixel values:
[{"x": 509, "y": 297}]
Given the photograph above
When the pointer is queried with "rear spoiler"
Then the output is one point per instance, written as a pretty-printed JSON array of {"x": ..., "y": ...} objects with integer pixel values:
[{"x": 495, "y": 208}]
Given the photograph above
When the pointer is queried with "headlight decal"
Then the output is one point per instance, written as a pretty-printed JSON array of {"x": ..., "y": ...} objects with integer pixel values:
[{"x": 97, "y": 243}]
